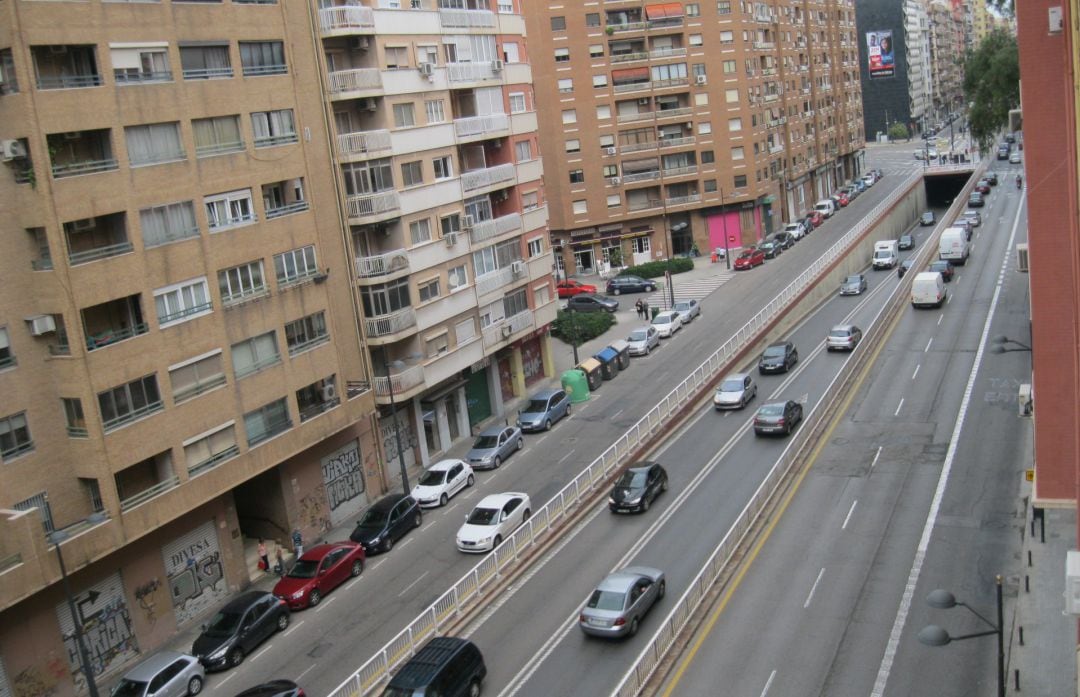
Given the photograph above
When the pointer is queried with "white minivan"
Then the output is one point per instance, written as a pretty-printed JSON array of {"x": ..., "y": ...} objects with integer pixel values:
[
  {"x": 953, "y": 245},
  {"x": 928, "y": 290},
  {"x": 826, "y": 207}
]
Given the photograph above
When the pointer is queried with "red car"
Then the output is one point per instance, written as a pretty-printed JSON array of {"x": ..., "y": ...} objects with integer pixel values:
[
  {"x": 750, "y": 258},
  {"x": 983, "y": 187},
  {"x": 320, "y": 570},
  {"x": 844, "y": 200},
  {"x": 568, "y": 289},
  {"x": 816, "y": 218}
]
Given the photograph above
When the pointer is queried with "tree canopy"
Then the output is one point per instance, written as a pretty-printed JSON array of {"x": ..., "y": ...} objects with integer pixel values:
[{"x": 992, "y": 84}]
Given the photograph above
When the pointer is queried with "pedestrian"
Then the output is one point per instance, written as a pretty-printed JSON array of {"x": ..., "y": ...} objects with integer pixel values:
[
  {"x": 264, "y": 560},
  {"x": 645, "y": 308},
  {"x": 298, "y": 542},
  {"x": 640, "y": 308},
  {"x": 279, "y": 564}
]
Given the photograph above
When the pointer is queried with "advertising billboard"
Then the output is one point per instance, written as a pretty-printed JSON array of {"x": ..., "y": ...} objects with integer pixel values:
[{"x": 879, "y": 53}]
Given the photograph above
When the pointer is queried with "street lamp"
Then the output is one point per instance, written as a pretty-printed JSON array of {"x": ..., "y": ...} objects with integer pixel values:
[
  {"x": 933, "y": 635},
  {"x": 1001, "y": 341},
  {"x": 573, "y": 333},
  {"x": 397, "y": 426},
  {"x": 56, "y": 537}
]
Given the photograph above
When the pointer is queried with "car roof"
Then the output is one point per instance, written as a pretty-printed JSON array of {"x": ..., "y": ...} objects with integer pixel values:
[
  {"x": 244, "y": 600},
  {"x": 735, "y": 376},
  {"x": 623, "y": 580},
  {"x": 445, "y": 464},
  {"x": 844, "y": 327},
  {"x": 779, "y": 403},
  {"x": 319, "y": 551},
  {"x": 545, "y": 394},
  {"x": 145, "y": 671},
  {"x": 665, "y": 313},
  {"x": 779, "y": 344},
  {"x": 499, "y": 500},
  {"x": 492, "y": 431},
  {"x": 274, "y": 687},
  {"x": 643, "y": 466},
  {"x": 386, "y": 502}
]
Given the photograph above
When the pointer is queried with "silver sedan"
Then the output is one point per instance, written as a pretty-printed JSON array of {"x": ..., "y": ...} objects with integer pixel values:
[
  {"x": 494, "y": 445},
  {"x": 617, "y": 605}
]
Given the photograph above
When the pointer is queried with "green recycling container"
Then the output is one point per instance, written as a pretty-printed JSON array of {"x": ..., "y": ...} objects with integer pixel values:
[{"x": 575, "y": 385}]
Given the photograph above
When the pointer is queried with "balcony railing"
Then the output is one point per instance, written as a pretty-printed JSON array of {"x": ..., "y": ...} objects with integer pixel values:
[
  {"x": 312, "y": 410},
  {"x": 392, "y": 323},
  {"x": 627, "y": 26},
  {"x": 513, "y": 324},
  {"x": 382, "y": 264},
  {"x": 399, "y": 383},
  {"x": 144, "y": 496},
  {"x": 631, "y": 86},
  {"x": 114, "y": 336},
  {"x": 364, "y": 142},
  {"x": 667, "y": 52},
  {"x": 466, "y": 18},
  {"x": 356, "y": 80},
  {"x": 125, "y": 78},
  {"x": 288, "y": 209},
  {"x": 642, "y": 204},
  {"x": 223, "y": 148},
  {"x": 639, "y": 147},
  {"x": 348, "y": 17},
  {"x": 641, "y": 176},
  {"x": 487, "y": 229},
  {"x": 133, "y": 415},
  {"x": 468, "y": 72},
  {"x": 632, "y": 56},
  {"x": 680, "y": 171},
  {"x": 64, "y": 82},
  {"x": 479, "y": 125},
  {"x": 71, "y": 169},
  {"x": 677, "y": 142},
  {"x": 487, "y": 176},
  {"x": 111, "y": 250},
  {"x": 363, "y": 205},
  {"x": 680, "y": 200},
  {"x": 673, "y": 82},
  {"x": 271, "y": 429},
  {"x": 213, "y": 461},
  {"x": 208, "y": 73},
  {"x": 201, "y": 387},
  {"x": 490, "y": 282}
]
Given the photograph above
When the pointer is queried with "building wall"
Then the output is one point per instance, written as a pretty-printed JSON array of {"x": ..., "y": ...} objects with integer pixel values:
[{"x": 885, "y": 100}]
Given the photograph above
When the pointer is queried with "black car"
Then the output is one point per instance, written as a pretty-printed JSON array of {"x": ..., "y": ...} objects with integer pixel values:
[
  {"x": 629, "y": 284},
  {"x": 784, "y": 239},
  {"x": 975, "y": 200},
  {"x": 274, "y": 688},
  {"x": 587, "y": 302},
  {"x": 771, "y": 248},
  {"x": 943, "y": 267},
  {"x": 637, "y": 487},
  {"x": 386, "y": 522},
  {"x": 245, "y": 622},
  {"x": 905, "y": 242},
  {"x": 445, "y": 666},
  {"x": 1003, "y": 152},
  {"x": 992, "y": 178},
  {"x": 777, "y": 417},
  {"x": 905, "y": 266},
  {"x": 927, "y": 219},
  {"x": 778, "y": 358}
]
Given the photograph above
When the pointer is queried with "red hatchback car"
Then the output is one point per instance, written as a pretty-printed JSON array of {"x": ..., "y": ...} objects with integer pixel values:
[
  {"x": 320, "y": 570},
  {"x": 750, "y": 258},
  {"x": 568, "y": 289},
  {"x": 816, "y": 218}
]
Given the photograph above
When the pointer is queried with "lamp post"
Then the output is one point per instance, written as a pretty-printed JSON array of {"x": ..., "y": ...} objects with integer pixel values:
[
  {"x": 56, "y": 537},
  {"x": 933, "y": 635},
  {"x": 573, "y": 333},
  {"x": 397, "y": 429},
  {"x": 1000, "y": 345}
]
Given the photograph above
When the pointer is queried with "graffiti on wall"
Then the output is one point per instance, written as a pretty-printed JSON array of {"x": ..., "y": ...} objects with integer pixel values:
[
  {"x": 343, "y": 476},
  {"x": 144, "y": 595},
  {"x": 39, "y": 680},
  {"x": 195, "y": 574},
  {"x": 532, "y": 361},
  {"x": 386, "y": 434},
  {"x": 106, "y": 627}
]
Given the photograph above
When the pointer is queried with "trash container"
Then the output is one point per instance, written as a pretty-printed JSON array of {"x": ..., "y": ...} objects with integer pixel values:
[
  {"x": 654, "y": 311},
  {"x": 609, "y": 362},
  {"x": 621, "y": 348},
  {"x": 575, "y": 385},
  {"x": 592, "y": 370}
]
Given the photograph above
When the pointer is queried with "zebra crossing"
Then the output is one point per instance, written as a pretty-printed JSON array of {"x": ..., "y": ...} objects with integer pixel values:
[{"x": 688, "y": 289}]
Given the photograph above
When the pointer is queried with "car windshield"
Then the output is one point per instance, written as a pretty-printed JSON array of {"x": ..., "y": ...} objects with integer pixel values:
[
  {"x": 746, "y": 254},
  {"x": 775, "y": 351},
  {"x": 223, "y": 624},
  {"x": 661, "y": 319},
  {"x": 536, "y": 405},
  {"x": 485, "y": 442},
  {"x": 682, "y": 306},
  {"x": 731, "y": 386},
  {"x": 631, "y": 479},
  {"x": 638, "y": 335},
  {"x": 483, "y": 516},
  {"x": 771, "y": 410},
  {"x": 606, "y": 600},
  {"x": 433, "y": 478},
  {"x": 839, "y": 333},
  {"x": 938, "y": 266},
  {"x": 373, "y": 519},
  {"x": 305, "y": 568},
  {"x": 128, "y": 688},
  {"x": 852, "y": 279}
]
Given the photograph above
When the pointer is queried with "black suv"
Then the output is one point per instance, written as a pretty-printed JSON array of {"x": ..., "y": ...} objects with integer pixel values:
[
  {"x": 778, "y": 358},
  {"x": 386, "y": 522},
  {"x": 587, "y": 302},
  {"x": 446, "y": 666},
  {"x": 629, "y": 284},
  {"x": 245, "y": 622}
]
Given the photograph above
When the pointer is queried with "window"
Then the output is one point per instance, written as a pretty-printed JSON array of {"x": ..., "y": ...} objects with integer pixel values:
[
  {"x": 255, "y": 354},
  {"x": 206, "y": 62},
  {"x": 404, "y": 116},
  {"x": 443, "y": 167},
  {"x": 673, "y": 71},
  {"x": 182, "y": 301},
  {"x": 206, "y": 451},
  {"x": 129, "y": 402},
  {"x": 517, "y": 103},
  {"x": 569, "y": 116},
  {"x": 693, "y": 9},
  {"x": 41, "y": 503},
  {"x": 7, "y": 358},
  {"x": 397, "y": 57},
  {"x": 607, "y": 141},
  {"x": 530, "y": 200},
  {"x": 734, "y": 124},
  {"x": 599, "y": 80},
  {"x": 229, "y": 210},
  {"x": 429, "y": 290},
  {"x": 435, "y": 110},
  {"x": 15, "y": 436},
  {"x": 295, "y": 265},
  {"x": 73, "y": 415},
  {"x": 596, "y": 50},
  {"x": 262, "y": 58},
  {"x": 306, "y": 332},
  {"x": 168, "y": 223},
  {"x": 592, "y": 19},
  {"x": 738, "y": 153},
  {"x": 562, "y": 55},
  {"x": 581, "y": 207},
  {"x": 740, "y": 181},
  {"x": 154, "y": 143},
  {"x": 217, "y": 135},
  {"x": 566, "y": 85},
  {"x": 558, "y": 24},
  {"x": 603, "y": 111},
  {"x": 368, "y": 177},
  {"x": 427, "y": 54},
  {"x": 437, "y": 345},
  {"x": 536, "y": 247},
  {"x": 465, "y": 330},
  {"x": 412, "y": 173},
  {"x": 727, "y": 37},
  {"x": 731, "y": 96},
  {"x": 723, "y": 7},
  {"x": 137, "y": 64},
  {"x": 704, "y": 128},
  {"x": 610, "y": 171},
  {"x": 457, "y": 277},
  {"x": 573, "y": 145},
  {"x": 614, "y": 200},
  {"x": 266, "y": 422},
  {"x": 273, "y": 128},
  {"x": 511, "y": 52},
  {"x": 523, "y": 150},
  {"x": 241, "y": 282},
  {"x": 695, "y": 40},
  {"x": 515, "y": 304},
  {"x": 505, "y": 6},
  {"x": 707, "y": 157},
  {"x": 710, "y": 186},
  {"x": 420, "y": 231},
  {"x": 450, "y": 224},
  {"x": 194, "y": 377},
  {"x": 577, "y": 176}
]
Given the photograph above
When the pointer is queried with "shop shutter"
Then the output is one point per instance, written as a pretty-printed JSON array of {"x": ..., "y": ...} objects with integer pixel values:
[
  {"x": 107, "y": 630},
  {"x": 195, "y": 573}
]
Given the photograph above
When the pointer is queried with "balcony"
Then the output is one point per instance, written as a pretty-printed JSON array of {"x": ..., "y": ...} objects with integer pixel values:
[
  {"x": 466, "y": 18},
  {"x": 81, "y": 152},
  {"x": 641, "y": 204},
  {"x": 677, "y": 142},
  {"x": 400, "y": 382},
  {"x": 65, "y": 67},
  {"x": 637, "y": 177},
  {"x": 317, "y": 398},
  {"x": 493, "y": 281},
  {"x": 112, "y": 322},
  {"x": 487, "y": 229},
  {"x": 90, "y": 239},
  {"x": 284, "y": 198},
  {"x": 682, "y": 200},
  {"x": 631, "y": 56},
  {"x": 502, "y": 331},
  {"x": 390, "y": 323},
  {"x": 481, "y": 125},
  {"x": 333, "y": 20},
  {"x": 680, "y": 171},
  {"x": 673, "y": 52},
  {"x": 640, "y": 147},
  {"x": 364, "y": 143},
  {"x": 343, "y": 82},
  {"x": 626, "y": 27},
  {"x": 764, "y": 45},
  {"x": 382, "y": 264},
  {"x": 488, "y": 176},
  {"x": 371, "y": 205},
  {"x": 145, "y": 480},
  {"x": 471, "y": 72}
]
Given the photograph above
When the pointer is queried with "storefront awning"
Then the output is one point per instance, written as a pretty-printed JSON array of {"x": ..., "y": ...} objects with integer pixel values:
[{"x": 671, "y": 9}]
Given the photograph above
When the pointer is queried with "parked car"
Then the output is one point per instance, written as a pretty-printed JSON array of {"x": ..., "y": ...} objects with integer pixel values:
[
  {"x": 778, "y": 358},
  {"x": 843, "y": 337},
  {"x": 245, "y": 622},
  {"x": 637, "y": 487},
  {"x": 643, "y": 340},
  {"x": 771, "y": 248},
  {"x": 439, "y": 483},
  {"x": 860, "y": 185},
  {"x": 975, "y": 200},
  {"x": 854, "y": 284},
  {"x": 783, "y": 239},
  {"x": 543, "y": 409},
  {"x": 964, "y": 224},
  {"x": 991, "y": 177},
  {"x": 1003, "y": 151},
  {"x": 630, "y": 284},
  {"x": 927, "y": 219},
  {"x": 587, "y": 302},
  {"x": 495, "y": 517},
  {"x": 1014, "y": 159},
  {"x": 667, "y": 323},
  {"x": 982, "y": 186},
  {"x": 318, "y": 571},
  {"x": 735, "y": 392},
  {"x": 749, "y": 258},
  {"x": 869, "y": 179},
  {"x": 777, "y": 417},
  {"x": 570, "y": 288},
  {"x": 815, "y": 219},
  {"x": 905, "y": 242},
  {"x": 446, "y": 666},
  {"x": 974, "y": 217},
  {"x": 621, "y": 600},
  {"x": 796, "y": 230},
  {"x": 165, "y": 674},
  {"x": 386, "y": 522},
  {"x": 688, "y": 310},
  {"x": 843, "y": 199},
  {"x": 943, "y": 267},
  {"x": 274, "y": 688},
  {"x": 493, "y": 445}
]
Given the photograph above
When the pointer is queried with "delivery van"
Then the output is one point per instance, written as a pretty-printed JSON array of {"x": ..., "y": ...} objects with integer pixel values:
[
  {"x": 886, "y": 254},
  {"x": 953, "y": 245},
  {"x": 928, "y": 290},
  {"x": 826, "y": 207}
]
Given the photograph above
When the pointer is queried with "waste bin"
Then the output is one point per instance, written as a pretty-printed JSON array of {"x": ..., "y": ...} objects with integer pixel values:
[
  {"x": 609, "y": 362},
  {"x": 653, "y": 312},
  {"x": 621, "y": 348},
  {"x": 592, "y": 370},
  {"x": 575, "y": 385}
]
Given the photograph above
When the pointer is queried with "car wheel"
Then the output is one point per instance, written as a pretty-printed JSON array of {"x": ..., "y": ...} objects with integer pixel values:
[
  {"x": 418, "y": 521},
  {"x": 496, "y": 462},
  {"x": 633, "y": 626},
  {"x": 664, "y": 486},
  {"x": 568, "y": 407},
  {"x": 662, "y": 590},
  {"x": 547, "y": 425},
  {"x": 496, "y": 542},
  {"x": 283, "y": 621},
  {"x": 650, "y": 289},
  {"x": 236, "y": 657},
  {"x": 470, "y": 481},
  {"x": 388, "y": 545},
  {"x": 644, "y": 505},
  {"x": 526, "y": 515},
  {"x": 194, "y": 686},
  {"x": 357, "y": 568},
  {"x": 443, "y": 499},
  {"x": 474, "y": 688},
  {"x": 315, "y": 598},
  {"x": 616, "y": 291},
  {"x": 521, "y": 443}
]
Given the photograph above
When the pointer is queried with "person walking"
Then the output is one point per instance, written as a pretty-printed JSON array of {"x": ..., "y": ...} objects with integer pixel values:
[
  {"x": 645, "y": 307},
  {"x": 297, "y": 542},
  {"x": 264, "y": 559},
  {"x": 279, "y": 563},
  {"x": 640, "y": 309}
]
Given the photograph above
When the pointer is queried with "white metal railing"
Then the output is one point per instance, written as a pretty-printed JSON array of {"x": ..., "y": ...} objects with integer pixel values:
[
  {"x": 680, "y": 171},
  {"x": 487, "y": 229},
  {"x": 362, "y": 205},
  {"x": 149, "y": 493},
  {"x": 641, "y": 176},
  {"x": 631, "y": 86},
  {"x": 391, "y": 323},
  {"x": 363, "y": 142},
  {"x": 470, "y": 587},
  {"x": 672, "y": 113},
  {"x": 491, "y": 282},
  {"x": 638, "y": 147},
  {"x": 677, "y": 142},
  {"x": 667, "y": 52},
  {"x": 477, "y": 125},
  {"x": 680, "y": 200},
  {"x": 507, "y": 328},
  {"x": 355, "y": 80},
  {"x": 382, "y": 264},
  {"x": 467, "y": 72},
  {"x": 347, "y": 17},
  {"x": 631, "y": 56},
  {"x": 397, "y": 383},
  {"x": 487, "y": 176},
  {"x": 466, "y": 18}
]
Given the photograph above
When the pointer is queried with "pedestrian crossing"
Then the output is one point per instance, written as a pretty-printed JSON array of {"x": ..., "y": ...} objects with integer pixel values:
[{"x": 688, "y": 289}]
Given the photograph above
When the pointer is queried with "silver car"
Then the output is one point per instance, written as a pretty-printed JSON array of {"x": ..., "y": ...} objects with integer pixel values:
[
  {"x": 494, "y": 445},
  {"x": 974, "y": 216},
  {"x": 543, "y": 409},
  {"x": 688, "y": 310},
  {"x": 165, "y": 674},
  {"x": 735, "y": 392},
  {"x": 643, "y": 340},
  {"x": 843, "y": 337},
  {"x": 617, "y": 605}
]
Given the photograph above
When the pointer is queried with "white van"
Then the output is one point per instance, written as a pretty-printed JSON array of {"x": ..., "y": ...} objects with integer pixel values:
[
  {"x": 953, "y": 245},
  {"x": 826, "y": 207},
  {"x": 928, "y": 290},
  {"x": 886, "y": 254}
]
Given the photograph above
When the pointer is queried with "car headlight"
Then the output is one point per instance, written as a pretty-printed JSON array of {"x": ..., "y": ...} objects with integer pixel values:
[
  {"x": 297, "y": 595},
  {"x": 611, "y": 500},
  {"x": 219, "y": 653},
  {"x": 633, "y": 502}
]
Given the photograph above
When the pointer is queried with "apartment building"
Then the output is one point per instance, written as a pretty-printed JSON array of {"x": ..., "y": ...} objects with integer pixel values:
[
  {"x": 238, "y": 234},
  {"x": 670, "y": 125},
  {"x": 946, "y": 64}
]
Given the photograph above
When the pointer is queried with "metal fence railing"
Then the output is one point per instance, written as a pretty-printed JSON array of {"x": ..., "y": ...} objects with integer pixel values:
[{"x": 466, "y": 591}]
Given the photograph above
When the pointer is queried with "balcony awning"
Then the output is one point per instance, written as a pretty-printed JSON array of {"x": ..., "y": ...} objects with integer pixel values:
[
  {"x": 630, "y": 74},
  {"x": 671, "y": 9}
]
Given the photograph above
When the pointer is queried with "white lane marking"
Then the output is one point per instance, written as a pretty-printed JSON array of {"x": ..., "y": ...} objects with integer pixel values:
[
  {"x": 613, "y": 416},
  {"x": 325, "y": 603},
  {"x": 306, "y": 671},
  {"x": 540, "y": 440},
  {"x": 409, "y": 587},
  {"x": 925, "y": 350},
  {"x": 939, "y": 319},
  {"x": 406, "y": 542},
  {"x": 878, "y": 453},
  {"x": 943, "y": 479},
  {"x": 848, "y": 516},
  {"x": 916, "y": 371},
  {"x": 565, "y": 456},
  {"x": 224, "y": 680},
  {"x": 768, "y": 683},
  {"x": 291, "y": 629},
  {"x": 256, "y": 656},
  {"x": 899, "y": 407},
  {"x": 813, "y": 588}
]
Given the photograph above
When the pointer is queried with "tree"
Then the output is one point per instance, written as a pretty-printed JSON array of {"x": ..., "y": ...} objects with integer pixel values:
[
  {"x": 992, "y": 84},
  {"x": 898, "y": 131}
]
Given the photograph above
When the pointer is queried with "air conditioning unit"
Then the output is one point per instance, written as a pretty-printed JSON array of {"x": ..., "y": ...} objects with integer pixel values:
[
  {"x": 517, "y": 268},
  {"x": 701, "y": 80},
  {"x": 370, "y": 104},
  {"x": 1022, "y": 257},
  {"x": 507, "y": 330},
  {"x": 41, "y": 324},
  {"x": 12, "y": 149},
  {"x": 84, "y": 224},
  {"x": 615, "y": 181},
  {"x": 359, "y": 43},
  {"x": 497, "y": 65},
  {"x": 467, "y": 222},
  {"x": 427, "y": 69},
  {"x": 1024, "y": 400},
  {"x": 450, "y": 238},
  {"x": 329, "y": 392},
  {"x": 609, "y": 151}
]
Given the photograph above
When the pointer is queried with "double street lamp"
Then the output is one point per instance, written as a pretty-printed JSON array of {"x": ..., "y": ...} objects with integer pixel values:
[{"x": 933, "y": 635}]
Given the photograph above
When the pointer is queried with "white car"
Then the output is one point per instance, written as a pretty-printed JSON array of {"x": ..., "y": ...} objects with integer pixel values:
[
  {"x": 441, "y": 481},
  {"x": 688, "y": 310},
  {"x": 667, "y": 323},
  {"x": 796, "y": 230},
  {"x": 642, "y": 340},
  {"x": 1014, "y": 159},
  {"x": 494, "y": 518}
]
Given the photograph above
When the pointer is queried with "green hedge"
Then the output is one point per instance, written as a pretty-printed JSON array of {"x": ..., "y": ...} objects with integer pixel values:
[
  {"x": 656, "y": 269},
  {"x": 582, "y": 325}
]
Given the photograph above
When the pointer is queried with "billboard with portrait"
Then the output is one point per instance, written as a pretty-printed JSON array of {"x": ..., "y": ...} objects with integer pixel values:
[{"x": 880, "y": 54}]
